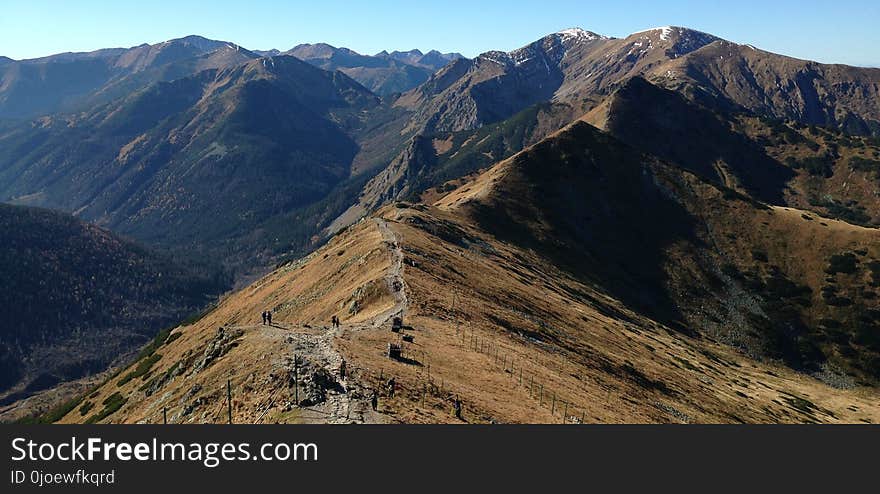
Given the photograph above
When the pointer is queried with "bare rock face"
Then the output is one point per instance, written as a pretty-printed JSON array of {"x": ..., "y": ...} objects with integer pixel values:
[
  {"x": 315, "y": 382},
  {"x": 224, "y": 341}
]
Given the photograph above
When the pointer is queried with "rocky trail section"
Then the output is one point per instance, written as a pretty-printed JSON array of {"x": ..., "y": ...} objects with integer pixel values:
[{"x": 326, "y": 397}]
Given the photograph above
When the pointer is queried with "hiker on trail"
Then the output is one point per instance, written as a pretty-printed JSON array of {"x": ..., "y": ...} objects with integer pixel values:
[
  {"x": 332, "y": 321},
  {"x": 374, "y": 400},
  {"x": 456, "y": 408},
  {"x": 342, "y": 369},
  {"x": 264, "y": 318},
  {"x": 391, "y": 384},
  {"x": 336, "y": 319},
  {"x": 269, "y": 316}
]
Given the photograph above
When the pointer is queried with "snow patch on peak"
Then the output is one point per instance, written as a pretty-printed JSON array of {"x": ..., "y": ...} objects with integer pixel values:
[
  {"x": 665, "y": 31},
  {"x": 680, "y": 40},
  {"x": 497, "y": 57},
  {"x": 578, "y": 33}
]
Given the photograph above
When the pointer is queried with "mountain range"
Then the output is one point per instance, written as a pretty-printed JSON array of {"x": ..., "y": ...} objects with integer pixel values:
[
  {"x": 69, "y": 82},
  {"x": 673, "y": 185},
  {"x": 384, "y": 73}
]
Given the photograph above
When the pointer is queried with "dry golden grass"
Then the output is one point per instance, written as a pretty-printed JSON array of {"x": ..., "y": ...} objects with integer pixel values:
[{"x": 585, "y": 352}]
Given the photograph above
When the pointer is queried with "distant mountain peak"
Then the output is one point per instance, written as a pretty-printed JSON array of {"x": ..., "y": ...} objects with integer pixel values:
[
  {"x": 198, "y": 42},
  {"x": 667, "y": 33},
  {"x": 413, "y": 52},
  {"x": 578, "y": 33},
  {"x": 553, "y": 45},
  {"x": 680, "y": 40}
]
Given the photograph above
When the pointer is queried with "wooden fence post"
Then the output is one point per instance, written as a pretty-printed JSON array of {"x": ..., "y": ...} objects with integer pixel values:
[
  {"x": 164, "y": 415},
  {"x": 229, "y": 398},
  {"x": 296, "y": 379}
]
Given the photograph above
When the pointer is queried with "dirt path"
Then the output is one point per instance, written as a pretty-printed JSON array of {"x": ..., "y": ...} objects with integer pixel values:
[
  {"x": 347, "y": 400},
  {"x": 394, "y": 278}
]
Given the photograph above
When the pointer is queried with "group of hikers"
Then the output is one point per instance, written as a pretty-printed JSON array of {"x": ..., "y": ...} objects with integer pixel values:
[
  {"x": 374, "y": 398},
  {"x": 267, "y": 317}
]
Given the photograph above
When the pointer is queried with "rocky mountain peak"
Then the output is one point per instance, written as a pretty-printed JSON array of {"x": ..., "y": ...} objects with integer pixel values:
[{"x": 677, "y": 41}]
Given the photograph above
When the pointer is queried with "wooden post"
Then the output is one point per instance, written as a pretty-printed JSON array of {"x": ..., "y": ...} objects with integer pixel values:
[
  {"x": 520, "y": 375},
  {"x": 229, "y": 399},
  {"x": 164, "y": 415},
  {"x": 564, "y": 412},
  {"x": 453, "y": 311},
  {"x": 553, "y": 405},
  {"x": 583, "y": 416},
  {"x": 296, "y": 379},
  {"x": 542, "y": 395}
]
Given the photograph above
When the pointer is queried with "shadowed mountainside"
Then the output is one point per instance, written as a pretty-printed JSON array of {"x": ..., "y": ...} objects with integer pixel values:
[
  {"x": 240, "y": 146},
  {"x": 76, "y": 298},
  {"x": 694, "y": 255}
]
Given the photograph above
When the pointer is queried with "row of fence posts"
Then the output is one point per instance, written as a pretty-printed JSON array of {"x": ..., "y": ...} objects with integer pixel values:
[
  {"x": 535, "y": 388},
  {"x": 474, "y": 343},
  {"x": 379, "y": 382}
]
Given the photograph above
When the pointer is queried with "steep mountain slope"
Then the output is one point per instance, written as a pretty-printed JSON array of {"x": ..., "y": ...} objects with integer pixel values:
[
  {"x": 432, "y": 159},
  {"x": 782, "y": 87},
  {"x": 240, "y": 146},
  {"x": 579, "y": 67},
  {"x": 514, "y": 336},
  {"x": 75, "y": 298},
  {"x": 699, "y": 257},
  {"x": 384, "y": 74},
  {"x": 496, "y": 85},
  {"x": 778, "y": 162},
  {"x": 76, "y": 81},
  {"x": 578, "y": 281}
]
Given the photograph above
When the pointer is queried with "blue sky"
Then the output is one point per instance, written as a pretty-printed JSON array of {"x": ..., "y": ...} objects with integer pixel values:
[{"x": 844, "y": 31}]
